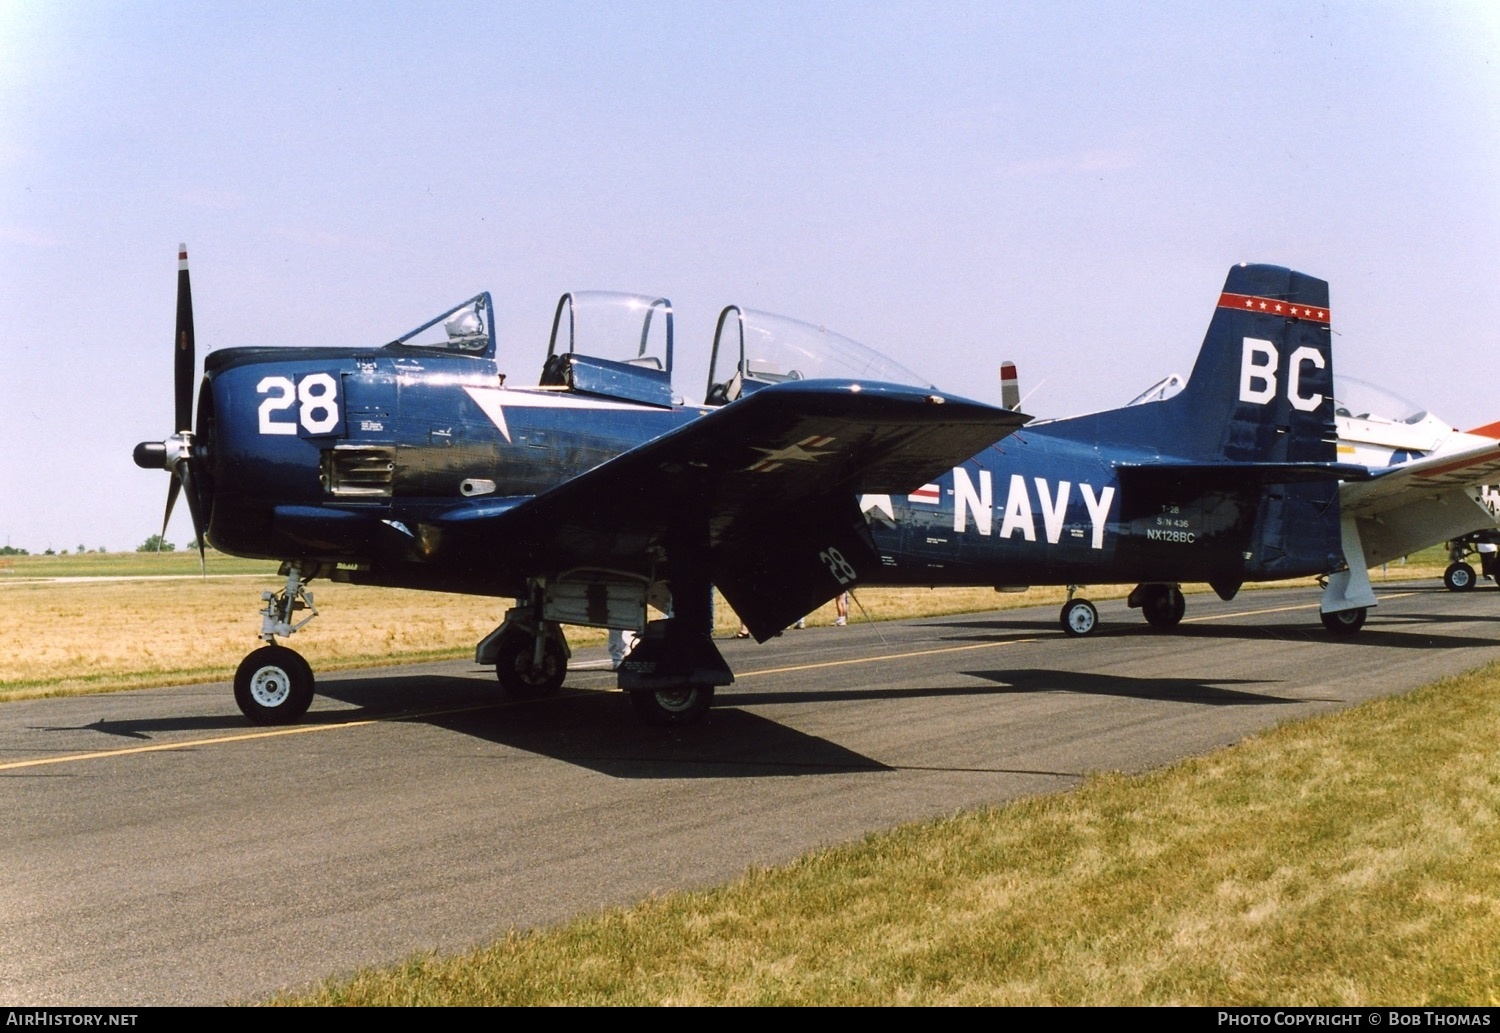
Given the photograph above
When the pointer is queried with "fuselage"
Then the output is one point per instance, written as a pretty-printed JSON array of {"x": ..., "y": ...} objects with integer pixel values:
[
  {"x": 1046, "y": 508},
  {"x": 333, "y": 455}
]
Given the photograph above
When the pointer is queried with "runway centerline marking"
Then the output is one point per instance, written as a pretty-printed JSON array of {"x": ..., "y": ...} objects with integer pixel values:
[
  {"x": 887, "y": 656},
  {"x": 1274, "y": 609},
  {"x": 269, "y": 733}
]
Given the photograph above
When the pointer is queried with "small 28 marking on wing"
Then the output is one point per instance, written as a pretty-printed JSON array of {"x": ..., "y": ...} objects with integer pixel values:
[{"x": 842, "y": 570}]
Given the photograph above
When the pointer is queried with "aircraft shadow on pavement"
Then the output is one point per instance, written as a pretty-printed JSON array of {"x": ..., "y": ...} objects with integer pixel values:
[
  {"x": 1179, "y": 690},
  {"x": 147, "y": 730},
  {"x": 588, "y": 726}
]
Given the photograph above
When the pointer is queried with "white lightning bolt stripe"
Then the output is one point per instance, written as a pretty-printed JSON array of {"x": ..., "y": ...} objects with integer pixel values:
[{"x": 494, "y": 400}]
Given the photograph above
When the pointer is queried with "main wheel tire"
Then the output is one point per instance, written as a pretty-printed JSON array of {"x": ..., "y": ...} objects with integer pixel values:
[
  {"x": 1078, "y": 617},
  {"x": 1345, "y": 622},
  {"x": 1459, "y": 577},
  {"x": 1163, "y": 606},
  {"x": 273, "y": 686},
  {"x": 519, "y": 675},
  {"x": 672, "y": 708}
]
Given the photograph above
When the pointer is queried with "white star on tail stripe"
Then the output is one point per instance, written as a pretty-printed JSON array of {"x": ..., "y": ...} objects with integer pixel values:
[{"x": 1270, "y": 305}]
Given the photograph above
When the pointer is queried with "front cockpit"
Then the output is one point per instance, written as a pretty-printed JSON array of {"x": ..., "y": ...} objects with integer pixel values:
[{"x": 467, "y": 328}]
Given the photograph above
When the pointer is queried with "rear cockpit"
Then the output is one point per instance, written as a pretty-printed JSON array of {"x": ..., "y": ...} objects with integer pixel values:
[{"x": 753, "y": 350}]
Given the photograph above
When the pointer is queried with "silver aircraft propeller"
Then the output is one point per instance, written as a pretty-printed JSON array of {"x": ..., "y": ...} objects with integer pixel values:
[{"x": 176, "y": 452}]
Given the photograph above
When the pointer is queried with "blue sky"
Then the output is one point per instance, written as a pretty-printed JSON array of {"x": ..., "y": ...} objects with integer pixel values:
[{"x": 1062, "y": 184}]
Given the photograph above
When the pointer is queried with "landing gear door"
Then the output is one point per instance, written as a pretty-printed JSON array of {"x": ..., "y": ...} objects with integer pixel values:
[{"x": 788, "y": 566}]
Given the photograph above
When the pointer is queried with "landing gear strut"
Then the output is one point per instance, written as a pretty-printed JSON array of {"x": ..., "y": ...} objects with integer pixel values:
[{"x": 274, "y": 685}]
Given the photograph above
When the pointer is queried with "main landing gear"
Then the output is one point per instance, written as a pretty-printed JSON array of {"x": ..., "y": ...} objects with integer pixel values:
[
  {"x": 672, "y": 672},
  {"x": 530, "y": 654},
  {"x": 670, "y": 675},
  {"x": 1345, "y": 622},
  {"x": 274, "y": 685},
  {"x": 1459, "y": 577},
  {"x": 1161, "y": 604}
]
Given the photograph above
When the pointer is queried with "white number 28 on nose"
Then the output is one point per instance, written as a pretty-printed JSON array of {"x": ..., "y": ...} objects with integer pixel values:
[{"x": 315, "y": 396}]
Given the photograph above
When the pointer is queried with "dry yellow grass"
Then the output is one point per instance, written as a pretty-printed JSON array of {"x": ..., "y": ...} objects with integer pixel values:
[
  {"x": 76, "y": 635},
  {"x": 69, "y": 636}
]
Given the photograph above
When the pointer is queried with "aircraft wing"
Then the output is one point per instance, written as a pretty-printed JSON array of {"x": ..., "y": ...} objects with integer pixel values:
[
  {"x": 1429, "y": 476},
  {"x": 1421, "y": 502},
  {"x": 763, "y": 490}
]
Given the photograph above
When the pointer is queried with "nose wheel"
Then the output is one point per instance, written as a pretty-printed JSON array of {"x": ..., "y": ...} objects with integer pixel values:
[{"x": 273, "y": 686}]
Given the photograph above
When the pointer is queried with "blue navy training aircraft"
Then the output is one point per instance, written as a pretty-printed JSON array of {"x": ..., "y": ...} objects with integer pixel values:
[{"x": 813, "y": 465}]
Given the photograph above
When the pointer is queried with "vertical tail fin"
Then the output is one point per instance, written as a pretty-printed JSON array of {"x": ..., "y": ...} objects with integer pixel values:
[
  {"x": 1261, "y": 393},
  {"x": 1262, "y": 388}
]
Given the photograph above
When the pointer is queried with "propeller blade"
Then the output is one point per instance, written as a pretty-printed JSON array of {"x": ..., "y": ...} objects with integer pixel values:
[
  {"x": 184, "y": 348},
  {"x": 172, "y": 489},
  {"x": 184, "y": 471}
]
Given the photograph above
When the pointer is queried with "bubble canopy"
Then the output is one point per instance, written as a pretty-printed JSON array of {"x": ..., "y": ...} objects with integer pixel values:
[
  {"x": 756, "y": 349},
  {"x": 1361, "y": 400}
]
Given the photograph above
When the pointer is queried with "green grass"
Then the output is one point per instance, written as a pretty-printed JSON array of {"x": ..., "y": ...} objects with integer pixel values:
[
  {"x": 1350, "y": 859},
  {"x": 129, "y": 564}
]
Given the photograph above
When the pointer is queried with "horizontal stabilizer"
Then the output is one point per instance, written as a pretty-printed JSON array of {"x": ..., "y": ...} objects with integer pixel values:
[{"x": 1240, "y": 475}]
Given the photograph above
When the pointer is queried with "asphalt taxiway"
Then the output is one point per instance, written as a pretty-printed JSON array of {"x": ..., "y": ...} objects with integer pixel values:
[{"x": 157, "y": 850}]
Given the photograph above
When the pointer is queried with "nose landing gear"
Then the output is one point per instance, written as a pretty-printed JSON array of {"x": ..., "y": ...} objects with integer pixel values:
[{"x": 274, "y": 685}]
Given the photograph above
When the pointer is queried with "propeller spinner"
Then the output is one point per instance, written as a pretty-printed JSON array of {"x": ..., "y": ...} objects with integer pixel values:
[{"x": 176, "y": 452}]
